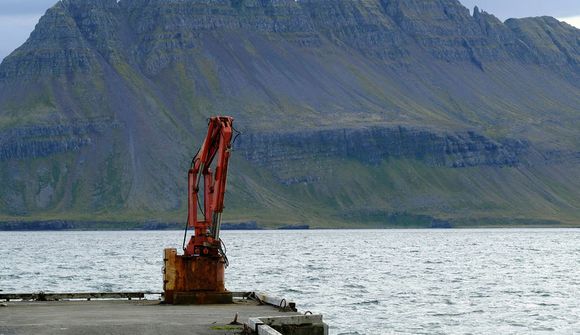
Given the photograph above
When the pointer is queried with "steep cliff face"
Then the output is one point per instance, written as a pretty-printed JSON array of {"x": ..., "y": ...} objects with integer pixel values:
[
  {"x": 345, "y": 106},
  {"x": 374, "y": 145}
]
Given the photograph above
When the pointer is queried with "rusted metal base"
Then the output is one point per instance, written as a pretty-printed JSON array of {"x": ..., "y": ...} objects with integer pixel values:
[{"x": 194, "y": 280}]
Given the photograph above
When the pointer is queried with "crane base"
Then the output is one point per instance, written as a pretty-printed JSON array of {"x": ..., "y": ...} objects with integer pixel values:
[{"x": 194, "y": 280}]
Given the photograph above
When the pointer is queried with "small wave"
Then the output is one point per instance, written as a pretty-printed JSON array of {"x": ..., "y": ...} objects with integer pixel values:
[
  {"x": 516, "y": 324},
  {"x": 544, "y": 329},
  {"x": 314, "y": 267},
  {"x": 546, "y": 304},
  {"x": 459, "y": 314},
  {"x": 519, "y": 293},
  {"x": 541, "y": 293},
  {"x": 366, "y": 302},
  {"x": 292, "y": 290},
  {"x": 480, "y": 295},
  {"x": 354, "y": 286}
]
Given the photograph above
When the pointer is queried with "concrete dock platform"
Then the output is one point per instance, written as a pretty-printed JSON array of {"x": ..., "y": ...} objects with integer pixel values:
[{"x": 127, "y": 317}]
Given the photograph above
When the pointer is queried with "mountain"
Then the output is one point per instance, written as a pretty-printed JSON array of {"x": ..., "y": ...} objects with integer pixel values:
[{"x": 353, "y": 113}]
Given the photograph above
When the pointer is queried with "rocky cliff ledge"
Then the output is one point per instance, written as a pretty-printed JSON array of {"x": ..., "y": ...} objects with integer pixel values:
[{"x": 373, "y": 145}]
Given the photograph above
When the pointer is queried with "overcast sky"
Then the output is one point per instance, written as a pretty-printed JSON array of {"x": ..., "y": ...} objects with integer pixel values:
[{"x": 18, "y": 17}]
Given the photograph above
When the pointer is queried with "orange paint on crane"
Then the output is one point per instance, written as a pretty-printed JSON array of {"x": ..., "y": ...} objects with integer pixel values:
[
  {"x": 217, "y": 143},
  {"x": 197, "y": 277}
]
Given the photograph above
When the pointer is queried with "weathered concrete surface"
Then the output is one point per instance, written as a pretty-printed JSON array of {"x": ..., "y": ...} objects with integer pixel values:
[{"x": 125, "y": 317}]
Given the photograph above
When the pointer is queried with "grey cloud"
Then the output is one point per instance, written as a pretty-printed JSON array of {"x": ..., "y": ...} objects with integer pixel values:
[
  {"x": 12, "y": 37},
  {"x": 20, "y": 7},
  {"x": 523, "y": 8},
  {"x": 17, "y": 20}
]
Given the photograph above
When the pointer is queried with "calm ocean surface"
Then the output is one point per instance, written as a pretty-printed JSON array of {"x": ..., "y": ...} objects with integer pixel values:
[{"x": 364, "y": 282}]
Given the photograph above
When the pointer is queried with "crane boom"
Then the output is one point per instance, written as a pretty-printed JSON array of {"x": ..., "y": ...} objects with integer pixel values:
[
  {"x": 197, "y": 276},
  {"x": 217, "y": 143}
]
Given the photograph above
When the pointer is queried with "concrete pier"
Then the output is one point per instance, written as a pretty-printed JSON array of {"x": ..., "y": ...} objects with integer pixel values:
[{"x": 127, "y": 317}]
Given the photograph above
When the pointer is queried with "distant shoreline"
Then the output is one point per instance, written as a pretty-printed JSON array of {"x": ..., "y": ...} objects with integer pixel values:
[
  {"x": 66, "y": 225},
  {"x": 71, "y": 225}
]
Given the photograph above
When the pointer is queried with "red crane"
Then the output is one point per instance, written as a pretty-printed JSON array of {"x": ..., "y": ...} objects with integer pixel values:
[
  {"x": 206, "y": 241},
  {"x": 197, "y": 276}
]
